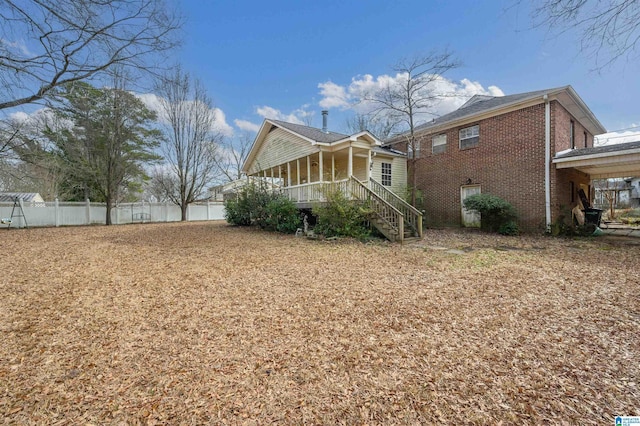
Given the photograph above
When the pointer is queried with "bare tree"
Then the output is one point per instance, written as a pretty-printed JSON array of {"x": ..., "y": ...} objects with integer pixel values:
[
  {"x": 412, "y": 94},
  {"x": 609, "y": 190},
  {"x": 380, "y": 127},
  {"x": 232, "y": 156},
  {"x": 45, "y": 44},
  {"x": 191, "y": 141},
  {"x": 609, "y": 29}
]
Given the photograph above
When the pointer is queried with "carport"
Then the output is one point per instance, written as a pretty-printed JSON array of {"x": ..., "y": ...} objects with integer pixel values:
[{"x": 609, "y": 161}]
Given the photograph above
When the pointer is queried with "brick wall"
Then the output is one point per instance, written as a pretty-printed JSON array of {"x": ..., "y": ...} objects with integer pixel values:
[{"x": 508, "y": 162}]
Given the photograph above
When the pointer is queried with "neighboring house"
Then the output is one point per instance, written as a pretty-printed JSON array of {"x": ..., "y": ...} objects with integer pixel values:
[
  {"x": 26, "y": 197},
  {"x": 506, "y": 146},
  {"x": 308, "y": 160},
  {"x": 625, "y": 192}
]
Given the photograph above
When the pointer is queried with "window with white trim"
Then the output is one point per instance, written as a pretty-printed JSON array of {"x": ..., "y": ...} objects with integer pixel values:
[
  {"x": 439, "y": 144},
  {"x": 469, "y": 136},
  {"x": 386, "y": 174}
]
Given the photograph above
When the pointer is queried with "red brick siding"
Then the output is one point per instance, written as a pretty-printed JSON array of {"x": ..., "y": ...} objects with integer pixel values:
[{"x": 508, "y": 162}]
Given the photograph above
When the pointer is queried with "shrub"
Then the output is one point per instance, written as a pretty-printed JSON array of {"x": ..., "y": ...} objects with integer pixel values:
[
  {"x": 497, "y": 215},
  {"x": 254, "y": 205},
  {"x": 341, "y": 217},
  {"x": 630, "y": 217}
]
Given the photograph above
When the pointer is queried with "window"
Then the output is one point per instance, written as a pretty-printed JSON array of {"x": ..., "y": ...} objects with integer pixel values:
[
  {"x": 386, "y": 174},
  {"x": 469, "y": 137},
  {"x": 585, "y": 139},
  {"x": 439, "y": 144},
  {"x": 411, "y": 150},
  {"x": 572, "y": 134}
]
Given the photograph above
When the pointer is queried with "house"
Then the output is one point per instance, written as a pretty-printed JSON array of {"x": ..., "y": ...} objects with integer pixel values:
[
  {"x": 308, "y": 160},
  {"x": 516, "y": 147},
  {"x": 625, "y": 193}
]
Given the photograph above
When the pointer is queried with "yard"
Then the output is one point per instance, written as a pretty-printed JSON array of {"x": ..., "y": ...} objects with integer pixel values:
[{"x": 203, "y": 323}]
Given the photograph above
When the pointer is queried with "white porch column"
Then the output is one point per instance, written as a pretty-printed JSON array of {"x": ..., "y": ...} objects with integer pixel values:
[
  {"x": 368, "y": 175},
  {"x": 333, "y": 167},
  {"x": 288, "y": 174},
  {"x": 280, "y": 175},
  {"x": 271, "y": 177},
  {"x": 320, "y": 166},
  {"x": 308, "y": 169},
  {"x": 350, "y": 162},
  {"x": 298, "y": 173}
]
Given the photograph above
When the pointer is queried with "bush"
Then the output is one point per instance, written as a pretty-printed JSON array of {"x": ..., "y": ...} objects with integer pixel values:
[
  {"x": 497, "y": 215},
  {"x": 255, "y": 205},
  {"x": 630, "y": 217},
  {"x": 341, "y": 217}
]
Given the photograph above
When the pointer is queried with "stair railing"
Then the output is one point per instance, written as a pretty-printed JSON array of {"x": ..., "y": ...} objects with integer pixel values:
[{"x": 412, "y": 215}]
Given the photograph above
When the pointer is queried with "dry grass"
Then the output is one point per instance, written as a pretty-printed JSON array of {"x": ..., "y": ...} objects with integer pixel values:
[{"x": 205, "y": 323}]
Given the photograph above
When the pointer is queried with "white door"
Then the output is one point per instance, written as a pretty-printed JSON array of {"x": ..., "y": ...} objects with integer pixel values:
[{"x": 470, "y": 218}]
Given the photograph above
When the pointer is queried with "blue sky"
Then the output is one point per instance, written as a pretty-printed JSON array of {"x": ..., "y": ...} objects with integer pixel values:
[{"x": 262, "y": 59}]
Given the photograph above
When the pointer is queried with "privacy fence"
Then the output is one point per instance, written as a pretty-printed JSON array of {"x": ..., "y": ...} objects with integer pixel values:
[{"x": 59, "y": 213}]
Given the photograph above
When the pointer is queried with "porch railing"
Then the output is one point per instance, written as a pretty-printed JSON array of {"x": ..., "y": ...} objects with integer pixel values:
[
  {"x": 412, "y": 216},
  {"x": 389, "y": 212}
]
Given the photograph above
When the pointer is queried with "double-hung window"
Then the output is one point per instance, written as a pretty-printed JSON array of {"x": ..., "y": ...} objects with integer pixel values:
[
  {"x": 386, "y": 174},
  {"x": 438, "y": 144},
  {"x": 469, "y": 137}
]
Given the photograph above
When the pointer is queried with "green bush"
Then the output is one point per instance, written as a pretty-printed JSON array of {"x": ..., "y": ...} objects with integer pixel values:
[
  {"x": 496, "y": 214},
  {"x": 341, "y": 217},
  {"x": 254, "y": 205}
]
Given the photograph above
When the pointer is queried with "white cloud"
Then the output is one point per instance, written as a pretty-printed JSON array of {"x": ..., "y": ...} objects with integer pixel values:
[
  {"x": 18, "y": 44},
  {"x": 246, "y": 125},
  {"x": 297, "y": 116},
  {"x": 352, "y": 97},
  {"x": 617, "y": 137},
  {"x": 333, "y": 95},
  {"x": 221, "y": 124}
]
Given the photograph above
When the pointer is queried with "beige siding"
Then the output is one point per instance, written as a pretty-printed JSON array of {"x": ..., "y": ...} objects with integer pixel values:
[
  {"x": 279, "y": 147},
  {"x": 398, "y": 172}
]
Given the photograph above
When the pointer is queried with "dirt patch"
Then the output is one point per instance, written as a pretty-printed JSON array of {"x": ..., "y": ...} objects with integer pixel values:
[{"x": 203, "y": 323}]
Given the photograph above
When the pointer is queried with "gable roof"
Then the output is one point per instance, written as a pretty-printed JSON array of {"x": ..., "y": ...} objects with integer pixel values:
[
  {"x": 482, "y": 106},
  {"x": 312, "y": 135}
]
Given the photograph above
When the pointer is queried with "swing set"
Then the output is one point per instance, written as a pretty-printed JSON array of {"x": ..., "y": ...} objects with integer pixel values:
[{"x": 16, "y": 213}]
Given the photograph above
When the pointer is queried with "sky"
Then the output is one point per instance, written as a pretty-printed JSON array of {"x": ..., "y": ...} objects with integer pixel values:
[{"x": 289, "y": 60}]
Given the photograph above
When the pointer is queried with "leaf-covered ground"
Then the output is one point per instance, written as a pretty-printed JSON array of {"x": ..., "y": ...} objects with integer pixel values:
[{"x": 203, "y": 323}]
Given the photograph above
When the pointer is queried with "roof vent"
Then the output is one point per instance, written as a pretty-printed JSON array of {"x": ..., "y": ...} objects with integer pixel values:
[{"x": 325, "y": 114}]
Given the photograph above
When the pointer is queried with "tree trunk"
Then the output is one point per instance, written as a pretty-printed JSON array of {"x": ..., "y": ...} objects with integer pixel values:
[
  {"x": 183, "y": 211},
  {"x": 108, "y": 218}
]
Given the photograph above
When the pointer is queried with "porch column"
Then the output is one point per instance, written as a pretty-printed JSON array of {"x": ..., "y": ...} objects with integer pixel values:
[
  {"x": 288, "y": 174},
  {"x": 350, "y": 162},
  {"x": 320, "y": 166},
  {"x": 280, "y": 174},
  {"x": 298, "y": 168},
  {"x": 271, "y": 178},
  {"x": 368, "y": 175},
  {"x": 308, "y": 169},
  {"x": 333, "y": 167}
]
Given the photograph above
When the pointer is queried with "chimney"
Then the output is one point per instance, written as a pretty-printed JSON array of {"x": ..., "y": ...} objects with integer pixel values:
[{"x": 325, "y": 113}]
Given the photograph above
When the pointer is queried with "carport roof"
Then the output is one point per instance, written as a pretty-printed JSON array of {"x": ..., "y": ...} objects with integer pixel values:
[{"x": 617, "y": 160}]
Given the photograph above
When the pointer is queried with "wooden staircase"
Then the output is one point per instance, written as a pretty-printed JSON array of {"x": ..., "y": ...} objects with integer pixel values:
[{"x": 392, "y": 216}]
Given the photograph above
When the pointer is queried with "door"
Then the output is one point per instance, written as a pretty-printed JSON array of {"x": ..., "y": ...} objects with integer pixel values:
[{"x": 470, "y": 218}]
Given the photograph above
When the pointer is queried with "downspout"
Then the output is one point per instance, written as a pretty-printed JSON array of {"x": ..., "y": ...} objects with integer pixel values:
[{"x": 547, "y": 161}]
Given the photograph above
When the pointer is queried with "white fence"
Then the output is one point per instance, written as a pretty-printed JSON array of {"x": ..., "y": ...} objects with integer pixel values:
[{"x": 58, "y": 213}]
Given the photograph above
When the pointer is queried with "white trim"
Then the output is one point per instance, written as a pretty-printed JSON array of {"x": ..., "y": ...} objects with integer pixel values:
[{"x": 547, "y": 162}]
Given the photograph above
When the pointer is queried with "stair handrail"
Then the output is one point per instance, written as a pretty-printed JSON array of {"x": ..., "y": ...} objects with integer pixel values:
[
  {"x": 383, "y": 209},
  {"x": 411, "y": 214}
]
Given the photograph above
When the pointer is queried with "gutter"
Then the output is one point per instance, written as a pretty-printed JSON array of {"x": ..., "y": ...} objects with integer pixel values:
[{"x": 547, "y": 161}]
